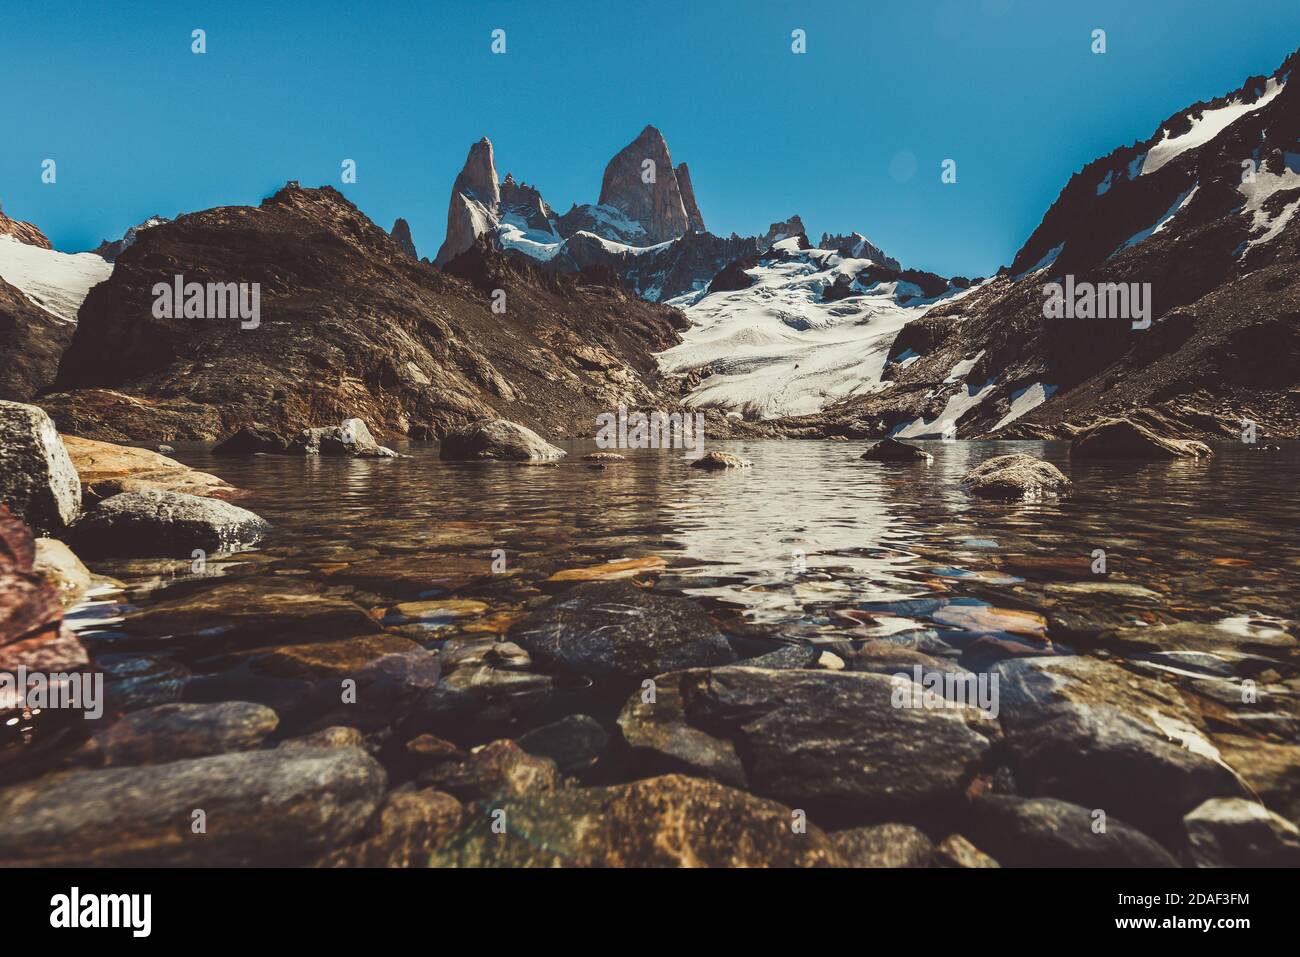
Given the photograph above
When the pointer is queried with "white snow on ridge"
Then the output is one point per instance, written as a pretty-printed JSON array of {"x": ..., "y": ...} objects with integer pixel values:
[
  {"x": 959, "y": 403},
  {"x": 1179, "y": 204},
  {"x": 1205, "y": 128},
  {"x": 776, "y": 349},
  {"x": 57, "y": 282}
]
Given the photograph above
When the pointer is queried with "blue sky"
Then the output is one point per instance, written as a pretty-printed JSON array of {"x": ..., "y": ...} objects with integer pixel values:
[{"x": 287, "y": 90}]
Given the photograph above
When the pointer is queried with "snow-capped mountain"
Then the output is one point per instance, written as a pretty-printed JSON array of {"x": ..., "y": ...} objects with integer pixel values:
[
  {"x": 111, "y": 250},
  {"x": 1200, "y": 220},
  {"x": 796, "y": 328}
]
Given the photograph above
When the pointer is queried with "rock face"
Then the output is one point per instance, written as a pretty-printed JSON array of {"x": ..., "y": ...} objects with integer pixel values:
[
  {"x": 350, "y": 326},
  {"x": 1174, "y": 211},
  {"x": 496, "y": 439},
  {"x": 411, "y": 826},
  {"x": 625, "y": 826},
  {"x": 832, "y": 741},
  {"x": 31, "y": 340},
  {"x": 37, "y": 478},
  {"x": 694, "y": 220},
  {"x": 1123, "y": 439},
  {"x": 280, "y": 807},
  {"x": 25, "y": 233},
  {"x": 475, "y": 200},
  {"x": 166, "y": 523},
  {"x": 56, "y": 563},
  {"x": 891, "y": 450},
  {"x": 107, "y": 469},
  {"x": 495, "y": 770},
  {"x": 1016, "y": 476},
  {"x": 614, "y": 629},
  {"x": 112, "y": 250},
  {"x": 657, "y": 205},
  {"x": 1040, "y": 832},
  {"x": 401, "y": 233}
]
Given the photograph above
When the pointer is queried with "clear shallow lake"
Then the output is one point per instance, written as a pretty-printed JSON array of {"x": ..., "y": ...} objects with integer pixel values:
[{"x": 810, "y": 543}]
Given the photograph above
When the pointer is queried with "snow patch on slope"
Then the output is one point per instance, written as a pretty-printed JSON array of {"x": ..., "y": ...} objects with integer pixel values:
[
  {"x": 1258, "y": 193},
  {"x": 1025, "y": 400},
  {"x": 776, "y": 349},
  {"x": 1179, "y": 204},
  {"x": 1205, "y": 128},
  {"x": 57, "y": 282}
]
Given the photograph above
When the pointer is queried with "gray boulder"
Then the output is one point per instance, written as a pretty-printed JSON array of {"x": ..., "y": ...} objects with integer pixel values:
[
  {"x": 165, "y": 523},
  {"x": 496, "y": 439},
  {"x": 1044, "y": 832},
  {"x": 614, "y": 629},
  {"x": 1016, "y": 476},
  {"x": 891, "y": 450},
  {"x": 278, "y": 807},
  {"x": 1235, "y": 832},
  {"x": 173, "y": 732},
  {"x": 37, "y": 478}
]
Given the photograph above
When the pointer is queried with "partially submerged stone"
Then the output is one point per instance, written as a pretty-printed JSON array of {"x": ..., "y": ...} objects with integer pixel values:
[
  {"x": 497, "y": 439},
  {"x": 166, "y": 523},
  {"x": 1015, "y": 476},
  {"x": 1116, "y": 438},
  {"x": 891, "y": 450},
  {"x": 718, "y": 461}
]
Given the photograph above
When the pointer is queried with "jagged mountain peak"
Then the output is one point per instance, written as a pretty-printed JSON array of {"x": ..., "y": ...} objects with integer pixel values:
[{"x": 657, "y": 205}]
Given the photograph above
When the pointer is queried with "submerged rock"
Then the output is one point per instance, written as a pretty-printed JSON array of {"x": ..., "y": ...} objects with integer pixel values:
[
  {"x": 496, "y": 439},
  {"x": 715, "y": 461},
  {"x": 411, "y": 826},
  {"x": 279, "y": 807},
  {"x": 626, "y": 826},
  {"x": 1234, "y": 832},
  {"x": 884, "y": 845},
  {"x": 811, "y": 738},
  {"x": 891, "y": 450},
  {"x": 166, "y": 523},
  {"x": 574, "y": 743},
  {"x": 37, "y": 478},
  {"x": 493, "y": 771},
  {"x": 1093, "y": 733},
  {"x": 614, "y": 629},
  {"x": 1044, "y": 832},
  {"x": 1015, "y": 476},
  {"x": 172, "y": 732},
  {"x": 1124, "y": 439}
]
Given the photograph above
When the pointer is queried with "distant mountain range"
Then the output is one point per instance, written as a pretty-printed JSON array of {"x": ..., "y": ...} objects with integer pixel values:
[{"x": 633, "y": 299}]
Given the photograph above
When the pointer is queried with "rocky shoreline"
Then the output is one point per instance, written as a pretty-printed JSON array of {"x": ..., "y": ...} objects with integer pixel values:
[{"x": 599, "y": 711}]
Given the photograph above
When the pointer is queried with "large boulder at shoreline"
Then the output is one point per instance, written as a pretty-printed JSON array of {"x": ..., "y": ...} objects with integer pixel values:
[
  {"x": 1235, "y": 832},
  {"x": 172, "y": 732},
  {"x": 625, "y": 826},
  {"x": 1015, "y": 476},
  {"x": 37, "y": 478},
  {"x": 107, "y": 469},
  {"x": 1125, "y": 439},
  {"x": 496, "y": 439},
  {"x": 891, "y": 450},
  {"x": 351, "y": 438},
  {"x": 614, "y": 629},
  {"x": 278, "y": 807},
  {"x": 253, "y": 439},
  {"x": 1043, "y": 832},
  {"x": 834, "y": 741},
  {"x": 166, "y": 523},
  {"x": 1095, "y": 734}
]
